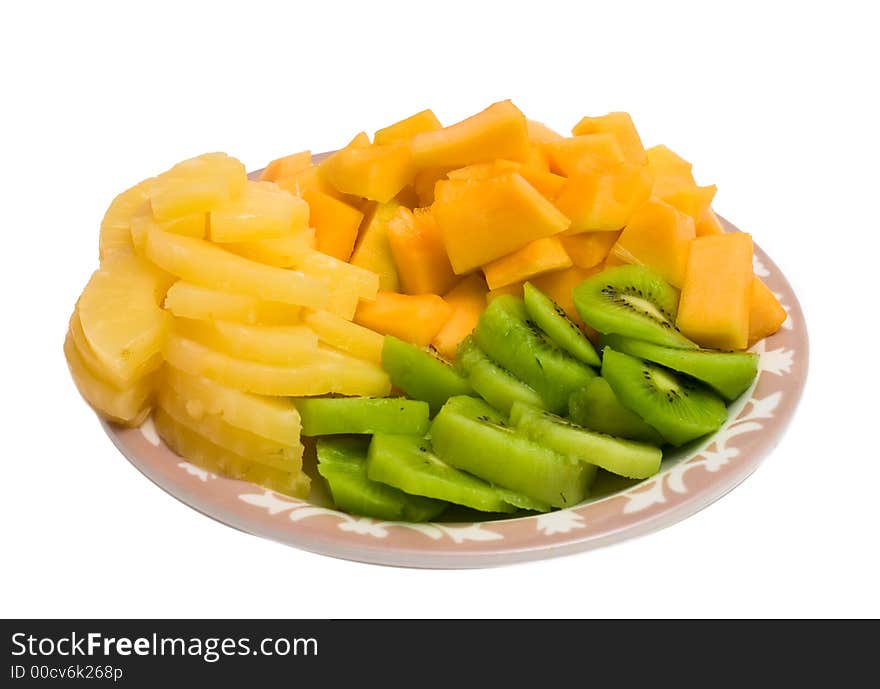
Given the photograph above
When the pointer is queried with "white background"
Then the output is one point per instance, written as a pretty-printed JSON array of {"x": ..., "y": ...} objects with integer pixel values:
[{"x": 774, "y": 102}]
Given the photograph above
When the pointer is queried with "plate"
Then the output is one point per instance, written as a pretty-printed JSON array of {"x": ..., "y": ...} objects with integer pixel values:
[{"x": 688, "y": 481}]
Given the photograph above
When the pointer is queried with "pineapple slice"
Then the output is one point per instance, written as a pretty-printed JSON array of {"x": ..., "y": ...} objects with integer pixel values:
[
  {"x": 121, "y": 319},
  {"x": 268, "y": 417},
  {"x": 200, "y": 451},
  {"x": 196, "y": 186},
  {"x": 283, "y": 252},
  {"x": 202, "y": 303},
  {"x": 347, "y": 284},
  {"x": 215, "y": 429},
  {"x": 202, "y": 263},
  {"x": 328, "y": 372},
  {"x": 193, "y": 225},
  {"x": 128, "y": 406},
  {"x": 347, "y": 336},
  {"x": 115, "y": 235},
  {"x": 268, "y": 344},
  {"x": 262, "y": 211}
]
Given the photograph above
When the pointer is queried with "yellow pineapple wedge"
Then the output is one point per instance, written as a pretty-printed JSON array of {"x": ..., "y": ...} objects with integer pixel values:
[
  {"x": 345, "y": 335},
  {"x": 186, "y": 300},
  {"x": 115, "y": 235},
  {"x": 202, "y": 452},
  {"x": 269, "y": 417},
  {"x": 328, "y": 372},
  {"x": 214, "y": 428},
  {"x": 205, "y": 264},
  {"x": 121, "y": 319},
  {"x": 196, "y": 185},
  {"x": 282, "y": 252},
  {"x": 262, "y": 211},
  {"x": 268, "y": 344}
]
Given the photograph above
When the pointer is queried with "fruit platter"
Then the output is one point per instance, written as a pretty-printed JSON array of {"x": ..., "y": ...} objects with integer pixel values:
[{"x": 439, "y": 346}]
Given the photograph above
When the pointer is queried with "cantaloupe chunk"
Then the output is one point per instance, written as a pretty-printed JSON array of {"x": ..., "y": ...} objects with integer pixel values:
[
  {"x": 468, "y": 301},
  {"x": 261, "y": 211},
  {"x": 619, "y": 124},
  {"x": 499, "y": 131},
  {"x": 603, "y": 202},
  {"x": 128, "y": 406},
  {"x": 282, "y": 252},
  {"x": 269, "y": 417},
  {"x": 372, "y": 250},
  {"x": 708, "y": 224},
  {"x": 482, "y": 220},
  {"x": 211, "y": 457},
  {"x": 540, "y": 133},
  {"x": 407, "y": 128},
  {"x": 546, "y": 182},
  {"x": 419, "y": 254},
  {"x": 426, "y": 180},
  {"x": 205, "y": 264},
  {"x": 658, "y": 236},
  {"x": 286, "y": 166},
  {"x": 692, "y": 200},
  {"x": 186, "y": 300},
  {"x": 415, "y": 318},
  {"x": 197, "y": 185},
  {"x": 540, "y": 256},
  {"x": 588, "y": 153},
  {"x": 345, "y": 335},
  {"x": 588, "y": 249},
  {"x": 213, "y": 427},
  {"x": 327, "y": 372},
  {"x": 336, "y": 224},
  {"x": 674, "y": 183},
  {"x": 766, "y": 314},
  {"x": 716, "y": 295},
  {"x": 373, "y": 172},
  {"x": 115, "y": 234},
  {"x": 666, "y": 164},
  {"x": 268, "y": 344}
]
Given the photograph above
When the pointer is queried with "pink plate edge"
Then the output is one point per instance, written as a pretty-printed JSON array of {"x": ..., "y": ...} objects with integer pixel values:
[{"x": 676, "y": 493}]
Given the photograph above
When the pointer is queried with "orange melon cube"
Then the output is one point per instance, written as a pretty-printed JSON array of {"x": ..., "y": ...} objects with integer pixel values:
[
  {"x": 546, "y": 182},
  {"x": 540, "y": 133},
  {"x": 261, "y": 211},
  {"x": 620, "y": 125},
  {"x": 588, "y": 249},
  {"x": 360, "y": 140},
  {"x": 766, "y": 314},
  {"x": 373, "y": 250},
  {"x": 515, "y": 289},
  {"x": 717, "y": 292},
  {"x": 658, "y": 236},
  {"x": 307, "y": 179},
  {"x": 591, "y": 152},
  {"x": 468, "y": 300},
  {"x": 413, "y": 318},
  {"x": 425, "y": 181},
  {"x": 406, "y": 129},
  {"x": 419, "y": 254},
  {"x": 666, "y": 164},
  {"x": 286, "y": 166},
  {"x": 596, "y": 202},
  {"x": 374, "y": 172},
  {"x": 482, "y": 220},
  {"x": 499, "y": 131},
  {"x": 336, "y": 224},
  {"x": 708, "y": 224},
  {"x": 540, "y": 256},
  {"x": 692, "y": 200}
]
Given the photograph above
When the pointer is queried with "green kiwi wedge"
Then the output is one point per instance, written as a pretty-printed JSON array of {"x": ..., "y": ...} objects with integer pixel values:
[
  {"x": 596, "y": 407},
  {"x": 728, "y": 373},
  {"x": 551, "y": 318},
  {"x": 632, "y": 301},
  {"x": 678, "y": 406}
]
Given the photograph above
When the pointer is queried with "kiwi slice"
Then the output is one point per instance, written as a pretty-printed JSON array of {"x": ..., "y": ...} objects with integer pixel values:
[
  {"x": 407, "y": 462},
  {"x": 597, "y": 408},
  {"x": 728, "y": 373},
  {"x": 343, "y": 464},
  {"x": 633, "y": 301},
  {"x": 507, "y": 336},
  {"x": 474, "y": 437},
  {"x": 345, "y": 415},
  {"x": 551, "y": 318},
  {"x": 679, "y": 407},
  {"x": 624, "y": 457},
  {"x": 498, "y": 387},
  {"x": 421, "y": 374}
]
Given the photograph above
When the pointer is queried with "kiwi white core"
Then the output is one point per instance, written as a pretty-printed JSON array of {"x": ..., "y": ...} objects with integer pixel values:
[
  {"x": 663, "y": 380},
  {"x": 643, "y": 305}
]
